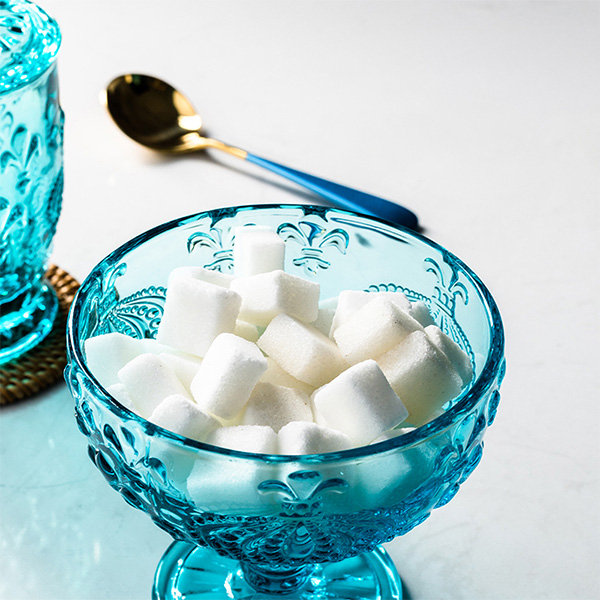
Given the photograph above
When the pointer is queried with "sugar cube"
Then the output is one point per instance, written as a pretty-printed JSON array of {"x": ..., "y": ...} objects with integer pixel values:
[
  {"x": 275, "y": 406},
  {"x": 278, "y": 376},
  {"x": 257, "y": 250},
  {"x": 119, "y": 392},
  {"x": 130, "y": 452},
  {"x": 151, "y": 346},
  {"x": 392, "y": 433},
  {"x": 148, "y": 380},
  {"x": 376, "y": 327},
  {"x": 397, "y": 297},
  {"x": 329, "y": 303},
  {"x": 421, "y": 375},
  {"x": 224, "y": 485},
  {"x": 390, "y": 477},
  {"x": 246, "y": 330},
  {"x": 360, "y": 403},
  {"x": 208, "y": 275},
  {"x": 230, "y": 370},
  {"x": 260, "y": 439},
  {"x": 458, "y": 358},
  {"x": 106, "y": 354},
  {"x": 349, "y": 301},
  {"x": 185, "y": 366},
  {"x": 303, "y": 437},
  {"x": 266, "y": 295},
  {"x": 301, "y": 350},
  {"x": 195, "y": 313},
  {"x": 325, "y": 315},
  {"x": 418, "y": 310},
  {"x": 181, "y": 415}
]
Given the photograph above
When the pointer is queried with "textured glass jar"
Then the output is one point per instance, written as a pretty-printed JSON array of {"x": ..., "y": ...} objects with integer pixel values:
[
  {"x": 303, "y": 527},
  {"x": 31, "y": 172}
]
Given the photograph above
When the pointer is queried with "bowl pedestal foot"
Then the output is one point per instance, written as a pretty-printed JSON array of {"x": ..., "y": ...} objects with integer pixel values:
[{"x": 193, "y": 573}]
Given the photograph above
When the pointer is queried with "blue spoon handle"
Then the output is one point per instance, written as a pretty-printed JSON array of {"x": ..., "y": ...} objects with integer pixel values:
[{"x": 343, "y": 196}]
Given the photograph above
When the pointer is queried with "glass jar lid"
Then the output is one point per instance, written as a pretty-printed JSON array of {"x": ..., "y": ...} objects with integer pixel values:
[{"x": 29, "y": 42}]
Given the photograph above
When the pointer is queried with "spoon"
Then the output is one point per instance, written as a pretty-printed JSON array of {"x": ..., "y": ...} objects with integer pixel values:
[{"x": 156, "y": 115}]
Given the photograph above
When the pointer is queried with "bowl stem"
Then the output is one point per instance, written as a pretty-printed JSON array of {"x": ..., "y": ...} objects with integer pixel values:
[{"x": 276, "y": 581}]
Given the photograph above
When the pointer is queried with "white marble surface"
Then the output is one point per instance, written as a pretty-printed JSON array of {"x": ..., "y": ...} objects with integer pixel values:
[{"x": 483, "y": 118}]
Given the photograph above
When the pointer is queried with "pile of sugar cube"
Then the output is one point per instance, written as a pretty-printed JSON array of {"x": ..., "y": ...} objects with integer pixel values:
[{"x": 256, "y": 362}]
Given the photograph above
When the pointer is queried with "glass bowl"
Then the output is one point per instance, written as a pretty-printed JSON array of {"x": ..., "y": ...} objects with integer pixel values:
[{"x": 259, "y": 526}]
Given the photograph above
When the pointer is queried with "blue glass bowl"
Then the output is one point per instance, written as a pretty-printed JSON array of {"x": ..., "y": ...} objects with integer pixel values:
[{"x": 258, "y": 525}]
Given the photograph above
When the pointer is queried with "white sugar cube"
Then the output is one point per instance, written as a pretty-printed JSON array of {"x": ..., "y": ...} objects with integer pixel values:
[
  {"x": 360, "y": 403},
  {"x": 418, "y": 310},
  {"x": 302, "y": 437},
  {"x": 151, "y": 346},
  {"x": 259, "y": 439},
  {"x": 349, "y": 301},
  {"x": 195, "y": 313},
  {"x": 257, "y": 250},
  {"x": 329, "y": 303},
  {"x": 185, "y": 366},
  {"x": 398, "y": 298},
  {"x": 394, "y": 475},
  {"x": 276, "y": 406},
  {"x": 373, "y": 329},
  {"x": 301, "y": 350},
  {"x": 248, "y": 331},
  {"x": 225, "y": 485},
  {"x": 392, "y": 433},
  {"x": 458, "y": 358},
  {"x": 208, "y": 275},
  {"x": 106, "y": 354},
  {"x": 119, "y": 392},
  {"x": 325, "y": 315},
  {"x": 421, "y": 375},
  {"x": 181, "y": 415},
  {"x": 148, "y": 380},
  {"x": 230, "y": 370},
  {"x": 267, "y": 295},
  {"x": 278, "y": 376},
  {"x": 230, "y": 486}
]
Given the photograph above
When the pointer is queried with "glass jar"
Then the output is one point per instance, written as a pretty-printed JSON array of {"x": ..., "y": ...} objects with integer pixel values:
[{"x": 31, "y": 173}]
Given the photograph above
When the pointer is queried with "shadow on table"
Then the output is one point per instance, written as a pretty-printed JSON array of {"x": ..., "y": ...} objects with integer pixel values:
[
  {"x": 158, "y": 158},
  {"x": 406, "y": 595}
]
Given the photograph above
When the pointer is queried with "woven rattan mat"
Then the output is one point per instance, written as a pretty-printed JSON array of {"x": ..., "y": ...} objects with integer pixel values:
[{"x": 43, "y": 365}]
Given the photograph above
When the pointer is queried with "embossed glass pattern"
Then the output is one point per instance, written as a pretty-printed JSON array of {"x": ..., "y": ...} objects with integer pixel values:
[
  {"x": 308, "y": 526},
  {"x": 31, "y": 172}
]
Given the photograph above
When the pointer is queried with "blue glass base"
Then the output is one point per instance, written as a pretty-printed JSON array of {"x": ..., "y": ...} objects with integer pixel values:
[
  {"x": 188, "y": 571},
  {"x": 26, "y": 321}
]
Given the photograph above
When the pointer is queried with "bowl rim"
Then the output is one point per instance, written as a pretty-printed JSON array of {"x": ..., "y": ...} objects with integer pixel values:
[{"x": 463, "y": 404}]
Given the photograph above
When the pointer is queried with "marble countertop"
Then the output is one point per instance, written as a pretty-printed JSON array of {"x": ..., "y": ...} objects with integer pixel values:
[{"x": 483, "y": 118}]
